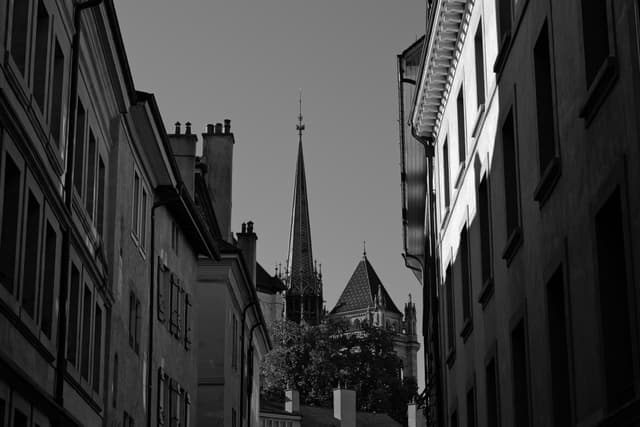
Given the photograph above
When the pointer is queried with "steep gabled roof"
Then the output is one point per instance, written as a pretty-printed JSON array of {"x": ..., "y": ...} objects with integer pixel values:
[
  {"x": 361, "y": 290},
  {"x": 267, "y": 283}
]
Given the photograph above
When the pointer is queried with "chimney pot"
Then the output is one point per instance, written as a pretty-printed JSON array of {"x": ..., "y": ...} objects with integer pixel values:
[
  {"x": 250, "y": 227},
  {"x": 227, "y": 126},
  {"x": 244, "y": 227},
  {"x": 210, "y": 129},
  {"x": 218, "y": 128},
  {"x": 177, "y": 131},
  {"x": 187, "y": 130}
]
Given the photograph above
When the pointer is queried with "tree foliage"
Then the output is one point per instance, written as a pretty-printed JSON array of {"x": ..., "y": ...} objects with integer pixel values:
[{"x": 316, "y": 359}]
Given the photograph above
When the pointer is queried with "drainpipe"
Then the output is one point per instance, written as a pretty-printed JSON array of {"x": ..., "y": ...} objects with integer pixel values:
[
  {"x": 432, "y": 268},
  {"x": 250, "y": 342},
  {"x": 244, "y": 315},
  {"x": 152, "y": 270},
  {"x": 68, "y": 197}
]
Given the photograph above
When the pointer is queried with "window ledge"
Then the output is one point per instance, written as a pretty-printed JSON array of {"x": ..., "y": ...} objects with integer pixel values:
[
  {"x": 548, "y": 181},
  {"x": 600, "y": 88},
  {"x": 479, "y": 119},
  {"x": 513, "y": 244},
  {"x": 486, "y": 292},
  {"x": 451, "y": 357},
  {"x": 501, "y": 58},
  {"x": 467, "y": 329}
]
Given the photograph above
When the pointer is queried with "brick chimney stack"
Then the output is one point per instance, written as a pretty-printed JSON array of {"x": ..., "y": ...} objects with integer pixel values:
[
  {"x": 344, "y": 407},
  {"x": 183, "y": 146},
  {"x": 247, "y": 244},
  {"x": 217, "y": 152}
]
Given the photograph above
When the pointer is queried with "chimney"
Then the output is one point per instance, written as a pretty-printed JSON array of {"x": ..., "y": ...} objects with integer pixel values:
[
  {"x": 415, "y": 416},
  {"x": 247, "y": 244},
  {"x": 217, "y": 151},
  {"x": 227, "y": 126},
  {"x": 344, "y": 407},
  {"x": 292, "y": 401},
  {"x": 183, "y": 146}
]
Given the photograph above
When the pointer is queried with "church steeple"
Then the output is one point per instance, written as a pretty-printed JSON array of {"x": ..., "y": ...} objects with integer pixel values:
[{"x": 304, "y": 283}]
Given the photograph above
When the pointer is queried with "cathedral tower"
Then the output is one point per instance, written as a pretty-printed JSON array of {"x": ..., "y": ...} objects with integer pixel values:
[{"x": 303, "y": 280}]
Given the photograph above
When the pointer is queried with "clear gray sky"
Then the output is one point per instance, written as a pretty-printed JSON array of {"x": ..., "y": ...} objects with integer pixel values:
[{"x": 208, "y": 60}]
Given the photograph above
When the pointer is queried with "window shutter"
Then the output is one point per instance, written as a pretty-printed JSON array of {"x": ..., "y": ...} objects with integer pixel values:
[
  {"x": 187, "y": 322},
  {"x": 161, "y": 291},
  {"x": 173, "y": 287},
  {"x": 187, "y": 409}
]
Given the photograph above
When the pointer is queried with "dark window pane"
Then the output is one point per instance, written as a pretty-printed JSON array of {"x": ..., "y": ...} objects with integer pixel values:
[
  {"x": 450, "y": 309},
  {"x": 493, "y": 403},
  {"x": 97, "y": 348},
  {"x": 614, "y": 302},
  {"x": 485, "y": 229},
  {"x": 466, "y": 283},
  {"x": 462, "y": 138},
  {"x": 445, "y": 172},
  {"x": 595, "y": 30},
  {"x": 79, "y": 149},
  {"x": 91, "y": 175},
  {"x": 544, "y": 103},
  {"x": 101, "y": 184},
  {"x": 19, "y": 31},
  {"x": 510, "y": 174},
  {"x": 504, "y": 11},
  {"x": 85, "y": 350},
  {"x": 20, "y": 419},
  {"x": 471, "y": 408},
  {"x": 32, "y": 234},
  {"x": 143, "y": 219},
  {"x": 9, "y": 236},
  {"x": 479, "y": 53},
  {"x": 520, "y": 375},
  {"x": 558, "y": 350},
  {"x": 74, "y": 303},
  {"x": 42, "y": 47},
  {"x": 136, "y": 199},
  {"x": 49, "y": 280},
  {"x": 56, "y": 93}
]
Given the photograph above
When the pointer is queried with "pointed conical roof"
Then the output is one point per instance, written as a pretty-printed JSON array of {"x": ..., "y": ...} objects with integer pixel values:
[{"x": 362, "y": 289}]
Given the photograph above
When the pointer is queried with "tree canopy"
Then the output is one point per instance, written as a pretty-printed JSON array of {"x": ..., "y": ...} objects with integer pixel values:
[{"x": 316, "y": 359}]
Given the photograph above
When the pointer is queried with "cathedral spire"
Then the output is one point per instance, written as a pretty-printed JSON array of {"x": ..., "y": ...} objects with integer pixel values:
[{"x": 304, "y": 293}]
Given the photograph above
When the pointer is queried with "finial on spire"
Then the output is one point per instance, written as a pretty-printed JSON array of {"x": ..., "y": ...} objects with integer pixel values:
[
  {"x": 364, "y": 248},
  {"x": 300, "y": 125}
]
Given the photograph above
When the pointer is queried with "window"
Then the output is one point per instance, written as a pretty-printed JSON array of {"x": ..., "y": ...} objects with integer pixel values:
[
  {"x": 466, "y": 279},
  {"x": 50, "y": 277},
  {"x": 97, "y": 347},
  {"x": 163, "y": 279},
  {"x": 174, "y": 325},
  {"x": 454, "y": 419},
  {"x": 504, "y": 19},
  {"x": 31, "y": 250},
  {"x": 162, "y": 386},
  {"x": 78, "y": 161},
  {"x": 558, "y": 350},
  {"x": 57, "y": 87},
  {"x": 595, "y": 31},
  {"x": 11, "y": 203},
  {"x": 234, "y": 342},
  {"x": 510, "y": 162},
  {"x": 544, "y": 102},
  {"x": 19, "y": 34},
  {"x": 450, "y": 310},
  {"x": 115, "y": 380},
  {"x": 40, "y": 58},
  {"x": 187, "y": 322},
  {"x": 134, "y": 322},
  {"x": 520, "y": 375},
  {"x": 174, "y": 237},
  {"x": 462, "y": 138},
  {"x": 485, "y": 231},
  {"x": 128, "y": 420},
  {"x": 611, "y": 255},
  {"x": 74, "y": 304},
  {"x": 492, "y": 396},
  {"x": 479, "y": 54},
  {"x": 446, "y": 176},
  {"x": 100, "y": 196},
  {"x": 471, "y": 408},
  {"x": 139, "y": 215},
  {"x": 187, "y": 409},
  {"x": 85, "y": 349},
  {"x": 91, "y": 176}
]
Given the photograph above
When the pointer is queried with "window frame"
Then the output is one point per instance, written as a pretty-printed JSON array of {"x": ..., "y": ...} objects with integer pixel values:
[
  {"x": 520, "y": 318},
  {"x": 50, "y": 219}
]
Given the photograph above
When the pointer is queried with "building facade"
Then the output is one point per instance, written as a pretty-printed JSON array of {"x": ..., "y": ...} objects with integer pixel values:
[{"x": 526, "y": 114}]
